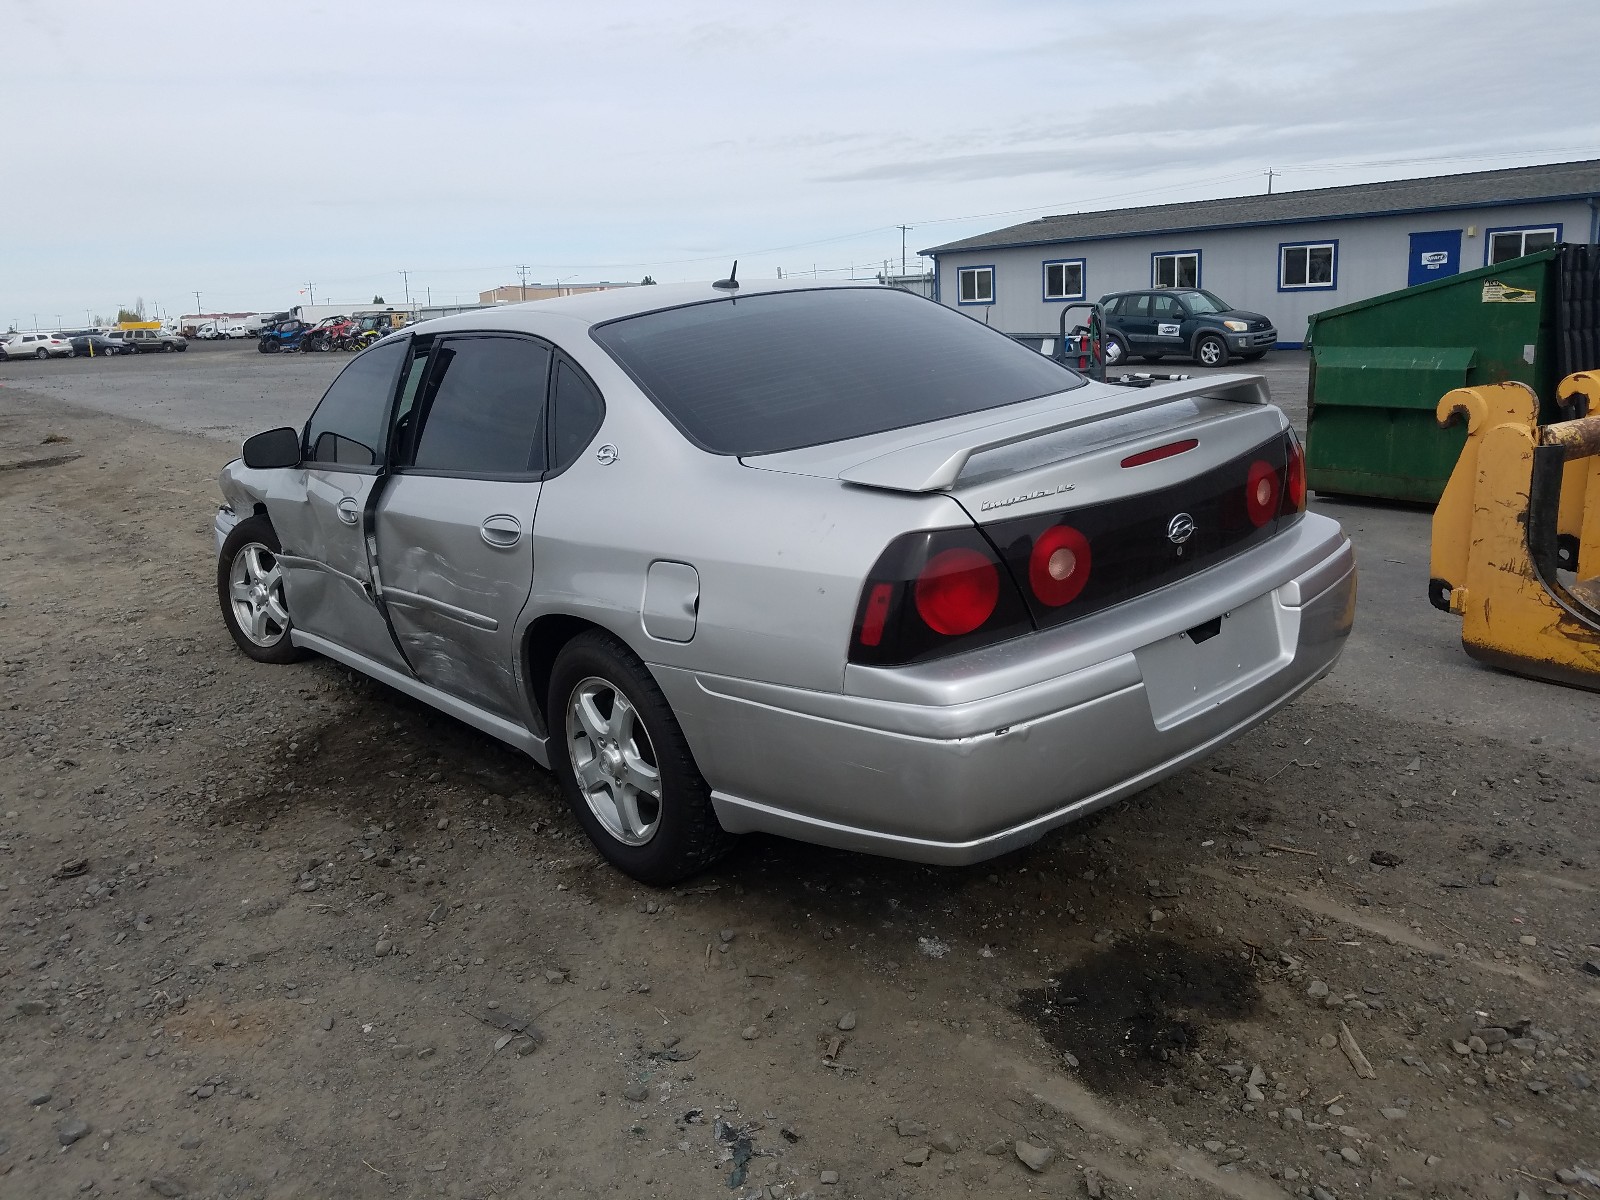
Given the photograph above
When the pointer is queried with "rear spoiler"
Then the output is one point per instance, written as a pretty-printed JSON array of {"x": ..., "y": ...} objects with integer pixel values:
[{"x": 935, "y": 465}]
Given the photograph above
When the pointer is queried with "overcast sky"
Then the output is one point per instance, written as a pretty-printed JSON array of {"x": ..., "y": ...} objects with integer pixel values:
[{"x": 247, "y": 149}]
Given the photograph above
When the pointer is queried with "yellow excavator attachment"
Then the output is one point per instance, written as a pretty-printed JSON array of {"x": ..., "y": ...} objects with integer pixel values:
[{"x": 1516, "y": 535}]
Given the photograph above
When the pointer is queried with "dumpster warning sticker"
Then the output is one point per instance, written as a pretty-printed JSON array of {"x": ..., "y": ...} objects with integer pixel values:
[{"x": 1495, "y": 292}]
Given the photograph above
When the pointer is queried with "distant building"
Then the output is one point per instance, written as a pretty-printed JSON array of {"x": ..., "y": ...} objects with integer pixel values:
[
  {"x": 920, "y": 283},
  {"x": 1285, "y": 255},
  {"x": 516, "y": 293}
]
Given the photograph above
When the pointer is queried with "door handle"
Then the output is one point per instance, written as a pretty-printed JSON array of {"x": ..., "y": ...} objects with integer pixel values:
[
  {"x": 501, "y": 531},
  {"x": 349, "y": 510}
]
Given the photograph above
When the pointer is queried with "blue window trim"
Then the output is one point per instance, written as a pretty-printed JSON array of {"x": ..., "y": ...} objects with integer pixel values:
[
  {"x": 1309, "y": 287},
  {"x": 1199, "y": 278},
  {"x": 1488, "y": 234},
  {"x": 989, "y": 267},
  {"x": 1044, "y": 280}
]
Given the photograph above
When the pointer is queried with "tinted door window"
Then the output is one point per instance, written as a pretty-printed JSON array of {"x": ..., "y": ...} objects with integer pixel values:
[
  {"x": 1166, "y": 308},
  {"x": 576, "y": 412},
  {"x": 348, "y": 426},
  {"x": 484, "y": 408},
  {"x": 1135, "y": 306}
]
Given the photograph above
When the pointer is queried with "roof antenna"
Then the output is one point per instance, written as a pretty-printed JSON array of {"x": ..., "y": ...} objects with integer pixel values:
[{"x": 731, "y": 283}]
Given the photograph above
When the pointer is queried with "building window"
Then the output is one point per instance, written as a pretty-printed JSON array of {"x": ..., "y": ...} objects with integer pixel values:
[
  {"x": 1506, "y": 244},
  {"x": 975, "y": 285},
  {"x": 1063, "y": 280},
  {"x": 1307, "y": 265},
  {"x": 1181, "y": 269}
]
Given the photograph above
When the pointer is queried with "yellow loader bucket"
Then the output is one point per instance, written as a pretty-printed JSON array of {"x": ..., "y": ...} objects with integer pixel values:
[{"x": 1516, "y": 535}]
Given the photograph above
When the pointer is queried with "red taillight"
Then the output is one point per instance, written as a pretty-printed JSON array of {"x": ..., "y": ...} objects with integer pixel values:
[
  {"x": 1058, "y": 567},
  {"x": 1160, "y": 452},
  {"x": 957, "y": 591},
  {"x": 1294, "y": 487},
  {"x": 1261, "y": 493},
  {"x": 877, "y": 613}
]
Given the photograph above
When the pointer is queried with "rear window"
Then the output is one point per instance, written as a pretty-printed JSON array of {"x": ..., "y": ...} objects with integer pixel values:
[{"x": 790, "y": 369}]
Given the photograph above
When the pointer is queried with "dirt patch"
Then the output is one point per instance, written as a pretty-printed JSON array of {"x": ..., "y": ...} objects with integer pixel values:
[
  {"x": 1129, "y": 1012},
  {"x": 350, "y": 894}
]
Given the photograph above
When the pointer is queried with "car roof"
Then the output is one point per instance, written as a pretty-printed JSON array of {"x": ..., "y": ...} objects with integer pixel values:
[{"x": 593, "y": 308}]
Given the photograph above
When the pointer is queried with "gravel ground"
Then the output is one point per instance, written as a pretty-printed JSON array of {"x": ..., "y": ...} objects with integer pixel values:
[{"x": 281, "y": 932}]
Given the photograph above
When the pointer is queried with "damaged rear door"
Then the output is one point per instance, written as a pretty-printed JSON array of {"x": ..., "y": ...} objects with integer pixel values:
[{"x": 455, "y": 521}]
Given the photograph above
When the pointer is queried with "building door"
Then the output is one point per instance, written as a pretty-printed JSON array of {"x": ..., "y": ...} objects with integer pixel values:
[{"x": 1434, "y": 255}]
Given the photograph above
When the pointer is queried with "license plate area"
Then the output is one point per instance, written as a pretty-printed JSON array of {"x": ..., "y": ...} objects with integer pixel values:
[{"x": 1194, "y": 671}]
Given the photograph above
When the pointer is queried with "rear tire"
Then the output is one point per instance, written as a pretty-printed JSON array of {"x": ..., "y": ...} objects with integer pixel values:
[
  {"x": 41, "y": 354},
  {"x": 614, "y": 738},
  {"x": 1211, "y": 351},
  {"x": 250, "y": 590},
  {"x": 1116, "y": 350},
  {"x": 1255, "y": 356}
]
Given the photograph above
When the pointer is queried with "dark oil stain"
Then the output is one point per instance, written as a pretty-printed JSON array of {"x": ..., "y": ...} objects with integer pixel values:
[{"x": 1131, "y": 1011}]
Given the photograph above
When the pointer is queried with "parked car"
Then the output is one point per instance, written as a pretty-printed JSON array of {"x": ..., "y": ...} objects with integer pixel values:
[
  {"x": 149, "y": 341},
  {"x": 830, "y": 562},
  {"x": 37, "y": 345},
  {"x": 1183, "y": 322},
  {"x": 93, "y": 343}
]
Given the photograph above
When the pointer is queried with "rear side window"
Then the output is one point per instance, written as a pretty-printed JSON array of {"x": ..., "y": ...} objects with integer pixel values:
[
  {"x": 483, "y": 413},
  {"x": 576, "y": 413},
  {"x": 347, "y": 428},
  {"x": 791, "y": 369}
]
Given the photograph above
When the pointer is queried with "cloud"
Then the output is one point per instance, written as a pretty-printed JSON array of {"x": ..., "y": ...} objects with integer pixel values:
[{"x": 243, "y": 155}]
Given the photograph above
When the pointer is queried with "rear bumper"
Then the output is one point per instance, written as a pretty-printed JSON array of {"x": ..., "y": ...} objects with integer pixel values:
[{"x": 1034, "y": 734}]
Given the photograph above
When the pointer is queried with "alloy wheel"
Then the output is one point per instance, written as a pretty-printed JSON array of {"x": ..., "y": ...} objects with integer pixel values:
[
  {"x": 613, "y": 761},
  {"x": 255, "y": 589}
]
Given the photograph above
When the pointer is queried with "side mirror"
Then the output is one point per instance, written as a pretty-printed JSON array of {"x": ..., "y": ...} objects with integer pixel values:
[{"x": 274, "y": 448}]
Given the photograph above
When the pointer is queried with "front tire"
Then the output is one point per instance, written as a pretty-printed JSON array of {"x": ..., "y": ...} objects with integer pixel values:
[
  {"x": 41, "y": 354},
  {"x": 1211, "y": 351},
  {"x": 627, "y": 771},
  {"x": 250, "y": 590}
]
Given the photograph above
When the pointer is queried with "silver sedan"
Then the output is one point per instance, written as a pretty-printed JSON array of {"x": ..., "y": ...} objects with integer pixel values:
[{"x": 837, "y": 563}]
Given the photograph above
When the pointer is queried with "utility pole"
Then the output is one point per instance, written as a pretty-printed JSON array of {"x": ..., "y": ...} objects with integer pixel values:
[
  {"x": 430, "y": 296},
  {"x": 405, "y": 279},
  {"x": 197, "y": 304},
  {"x": 1269, "y": 174},
  {"x": 522, "y": 274},
  {"x": 311, "y": 290},
  {"x": 903, "y": 229}
]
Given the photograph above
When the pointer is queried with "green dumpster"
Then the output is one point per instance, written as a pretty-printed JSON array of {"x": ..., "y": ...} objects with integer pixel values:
[{"x": 1379, "y": 367}]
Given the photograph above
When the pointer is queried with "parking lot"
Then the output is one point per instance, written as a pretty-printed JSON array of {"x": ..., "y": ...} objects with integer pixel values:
[{"x": 283, "y": 932}]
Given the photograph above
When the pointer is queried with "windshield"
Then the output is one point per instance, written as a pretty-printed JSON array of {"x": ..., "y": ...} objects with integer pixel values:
[
  {"x": 789, "y": 369},
  {"x": 1206, "y": 302}
]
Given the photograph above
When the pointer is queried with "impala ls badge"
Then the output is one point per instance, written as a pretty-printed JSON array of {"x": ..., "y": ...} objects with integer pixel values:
[{"x": 1180, "y": 529}]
